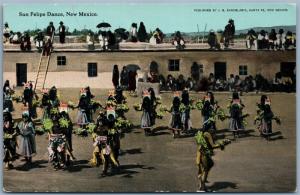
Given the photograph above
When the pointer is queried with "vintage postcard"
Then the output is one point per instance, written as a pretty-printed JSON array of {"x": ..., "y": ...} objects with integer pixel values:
[{"x": 149, "y": 97}]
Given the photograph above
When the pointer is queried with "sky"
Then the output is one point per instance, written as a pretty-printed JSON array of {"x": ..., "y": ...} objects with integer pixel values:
[{"x": 185, "y": 17}]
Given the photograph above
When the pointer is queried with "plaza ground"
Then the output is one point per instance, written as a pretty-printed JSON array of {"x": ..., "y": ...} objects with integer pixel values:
[{"x": 161, "y": 163}]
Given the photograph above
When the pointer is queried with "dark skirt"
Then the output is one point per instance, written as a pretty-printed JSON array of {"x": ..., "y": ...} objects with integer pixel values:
[
  {"x": 175, "y": 121},
  {"x": 185, "y": 119},
  {"x": 9, "y": 150},
  {"x": 81, "y": 117},
  {"x": 265, "y": 127},
  {"x": 209, "y": 125},
  {"x": 235, "y": 124},
  {"x": 145, "y": 120}
]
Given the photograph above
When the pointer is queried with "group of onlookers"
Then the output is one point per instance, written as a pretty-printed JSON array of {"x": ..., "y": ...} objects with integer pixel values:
[
  {"x": 273, "y": 41},
  {"x": 42, "y": 40},
  {"x": 233, "y": 83}
]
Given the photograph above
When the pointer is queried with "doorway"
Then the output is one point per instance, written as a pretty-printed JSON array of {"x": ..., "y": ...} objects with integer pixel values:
[
  {"x": 21, "y": 73},
  {"x": 287, "y": 69},
  {"x": 220, "y": 70}
]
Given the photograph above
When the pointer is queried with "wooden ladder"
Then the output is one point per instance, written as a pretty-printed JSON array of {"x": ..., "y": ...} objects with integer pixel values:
[{"x": 42, "y": 70}]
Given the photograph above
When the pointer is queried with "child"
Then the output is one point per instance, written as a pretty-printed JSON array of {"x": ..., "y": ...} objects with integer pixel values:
[
  {"x": 176, "y": 123},
  {"x": 146, "y": 123}
]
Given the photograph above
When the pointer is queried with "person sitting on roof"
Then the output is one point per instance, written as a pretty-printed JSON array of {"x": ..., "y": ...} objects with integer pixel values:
[
  {"x": 6, "y": 33},
  {"x": 251, "y": 39},
  {"x": 159, "y": 35},
  {"x": 39, "y": 40},
  {"x": 90, "y": 40},
  {"x": 47, "y": 47},
  {"x": 179, "y": 41},
  {"x": 103, "y": 40},
  {"x": 25, "y": 42}
]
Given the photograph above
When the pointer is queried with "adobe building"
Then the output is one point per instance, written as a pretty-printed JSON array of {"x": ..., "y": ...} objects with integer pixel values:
[{"x": 76, "y": 66}]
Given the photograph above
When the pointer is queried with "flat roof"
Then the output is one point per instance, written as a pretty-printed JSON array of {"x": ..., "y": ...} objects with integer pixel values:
[{"x": 131, "y": 47}]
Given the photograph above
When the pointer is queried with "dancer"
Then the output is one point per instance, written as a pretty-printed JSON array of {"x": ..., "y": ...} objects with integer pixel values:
[
  {"x": 265, "y": 116},
  {"x": 205, "y": 150},
  {"x": 237, "y": 122}
]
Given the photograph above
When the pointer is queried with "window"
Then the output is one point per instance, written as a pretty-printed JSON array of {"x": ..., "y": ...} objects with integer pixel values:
[
  {"x": 201, "y": 68},
  {"x": 243, "y": 70},
  {"x": 61, "y": 60},
  {"x": 174, "y": 65},
  {"x": 92, "y": 69}
]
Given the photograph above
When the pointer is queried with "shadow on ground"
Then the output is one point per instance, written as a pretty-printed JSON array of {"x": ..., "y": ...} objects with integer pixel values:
[
  {"x": 221, "y": 185},
  {"x": 78, "y": 165},
  {"x": 126, "y": 170},
  {"x": 35, "y": 164}
]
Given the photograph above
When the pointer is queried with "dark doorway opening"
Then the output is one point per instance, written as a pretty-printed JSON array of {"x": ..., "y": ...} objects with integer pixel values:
[
  {"x": 287, "y": 69},
  {"x": 220, "y": 70},
  {"x": 21, "y": 73}
]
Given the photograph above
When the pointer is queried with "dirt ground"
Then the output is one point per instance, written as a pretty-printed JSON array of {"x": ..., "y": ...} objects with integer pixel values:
[{"x": 161, "y": 163}]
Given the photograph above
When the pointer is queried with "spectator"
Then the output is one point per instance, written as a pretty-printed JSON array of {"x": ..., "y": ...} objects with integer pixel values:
[
  {"x": 277, "y": 84},
  {"x": 287, "y": 84},
  {"x": 171, "y": 83},
  {"x": 153, "y": 77},
  {"x": 115, "y": 76},
  {"x": 153, "y": 39},
  {"x": 16, "y": 38},
  {"x": 220, "y": 84},
  {"x": 62, "y": 32},
  {"x": 47, "y": 47},
  {"x": 229, "y": 33},
  {"x": 252, "y": 82},
  {"x": 231, "y": 82},
  {"x": 247, "y": 85},
  {"x": 25, "y": 42},
  {"x": 39, "y": 40},
  {"x": 50, "y": 30},
  {"x": 111, "y": 40},
  {"x": 180, "y": 83},
  {"x": 211, "y": 82},
  {"x": 237, "y": 83},
  {"x": 280, "y": 41},
  {"x": 133, "y": 32},
  {"x": 6, "y": 33},
  {"x": 189, "y": 84},
  {"x": 132, "y": 80},
  {"x": 213, "y": 41},
  {"x": 103, "y": 40},
  {"x": 124, "y": 78},
  {"x": 179, "y": 41},
  {"x": 160, "y": 36},
  {"x": 162, "y": 82},
  {"x": 272, "y": 39},
  {"x": 289, "y": 40},
  {"x": 90, "y": 41},
  {"x": 142, "y": 33},
  {"x": 251, "y": 39},
  {"x": 262, "y": 42}
]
